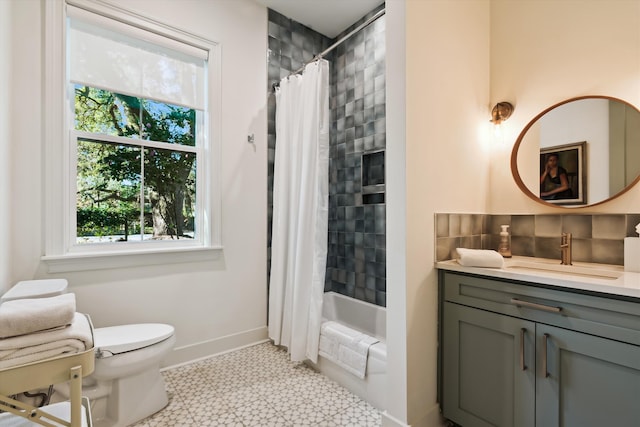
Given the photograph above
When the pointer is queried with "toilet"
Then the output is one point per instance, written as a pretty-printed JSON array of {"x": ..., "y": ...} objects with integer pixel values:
[{"x": 126, "y": 385}]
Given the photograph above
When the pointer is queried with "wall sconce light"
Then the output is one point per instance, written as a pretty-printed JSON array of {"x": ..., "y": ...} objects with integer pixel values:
[{"x": 501, "y": 112}]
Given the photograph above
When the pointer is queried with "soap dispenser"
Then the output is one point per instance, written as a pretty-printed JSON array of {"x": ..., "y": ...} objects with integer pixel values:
[{"x": 504, "y": 248}]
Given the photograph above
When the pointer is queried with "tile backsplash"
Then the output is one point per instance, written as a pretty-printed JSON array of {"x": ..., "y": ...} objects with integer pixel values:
[{"x": 597, "y": 238}]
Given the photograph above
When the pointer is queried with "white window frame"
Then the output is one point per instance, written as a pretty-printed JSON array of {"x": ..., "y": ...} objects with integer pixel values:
[{"x": 62, "y": 254}]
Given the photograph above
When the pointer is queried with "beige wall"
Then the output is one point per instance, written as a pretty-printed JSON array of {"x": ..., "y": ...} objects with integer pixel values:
[
  {"x": 216, "y": 305},
  {"x": 446, "y": 165},
  {"x": 545, "y": 51}
]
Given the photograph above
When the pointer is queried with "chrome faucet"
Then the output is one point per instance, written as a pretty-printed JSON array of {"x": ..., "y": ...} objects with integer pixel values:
[{"x": 565, "y": 248}]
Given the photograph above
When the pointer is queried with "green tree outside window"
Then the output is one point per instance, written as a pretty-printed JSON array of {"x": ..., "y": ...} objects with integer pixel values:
[{"x": 133, "y": 189}]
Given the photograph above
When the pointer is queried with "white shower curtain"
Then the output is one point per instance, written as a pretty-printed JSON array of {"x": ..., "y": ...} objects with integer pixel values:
[{"x": 300, "y": 209}]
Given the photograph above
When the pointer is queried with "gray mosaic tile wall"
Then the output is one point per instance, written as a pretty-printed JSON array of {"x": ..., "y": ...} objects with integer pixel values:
[
  {"x": 291, "y": 44},
  {"x": 597, "y": 238},
  {"x": 356, "y": 261}
]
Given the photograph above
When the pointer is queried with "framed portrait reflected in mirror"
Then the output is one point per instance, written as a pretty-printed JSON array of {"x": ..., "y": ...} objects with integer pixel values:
[{"x": 563, "y": 174}]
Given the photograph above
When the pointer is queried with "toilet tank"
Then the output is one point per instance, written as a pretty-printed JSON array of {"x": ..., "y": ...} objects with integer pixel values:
[{"x": 35, "y": 289}]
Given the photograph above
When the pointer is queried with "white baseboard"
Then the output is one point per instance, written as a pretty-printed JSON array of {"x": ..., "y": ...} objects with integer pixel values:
[
  {"x": 202, "y": 350},
  {"x": 432, "y": 418},
  {"x": 389, "y": 421}
]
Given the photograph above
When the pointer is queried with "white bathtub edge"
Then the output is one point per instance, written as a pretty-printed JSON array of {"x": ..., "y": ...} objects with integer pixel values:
[
  {"x": 371, "y": 388},
  {"x": 369, "y": 319}
]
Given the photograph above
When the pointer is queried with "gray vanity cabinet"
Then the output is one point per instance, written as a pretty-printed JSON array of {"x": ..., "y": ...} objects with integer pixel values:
[
  {"x": 588, "y": 381},
  {"x": 515, "y": 354},
  {"x": 484, "y": 383}
]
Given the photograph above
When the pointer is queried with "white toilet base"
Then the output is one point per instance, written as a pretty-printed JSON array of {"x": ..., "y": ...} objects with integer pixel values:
[
  {"x": 125, "y": 401},
  {"x": 131, "y": 399},
  {"x": 126, "y": 387}
]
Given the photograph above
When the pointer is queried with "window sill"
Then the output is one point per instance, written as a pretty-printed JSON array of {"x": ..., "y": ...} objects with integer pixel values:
[{"x": 121, "y": 259}]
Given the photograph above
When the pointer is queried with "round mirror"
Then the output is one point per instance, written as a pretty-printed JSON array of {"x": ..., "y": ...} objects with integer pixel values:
[{"x": 579, "y": 152}]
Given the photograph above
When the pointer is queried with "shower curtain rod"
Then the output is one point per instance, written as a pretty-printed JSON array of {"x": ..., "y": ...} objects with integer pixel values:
[{"x": 338, "y": 43}]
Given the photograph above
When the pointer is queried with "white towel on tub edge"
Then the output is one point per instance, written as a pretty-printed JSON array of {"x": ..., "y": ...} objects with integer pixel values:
[{"x": 346, "y": 347}]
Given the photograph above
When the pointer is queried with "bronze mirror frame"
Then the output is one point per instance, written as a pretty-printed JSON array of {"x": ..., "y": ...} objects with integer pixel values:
[{"x": 516, "y": 146}]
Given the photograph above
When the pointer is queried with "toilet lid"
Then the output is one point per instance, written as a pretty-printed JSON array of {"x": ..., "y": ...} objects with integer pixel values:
[
  {"x": 43, "y": 288},
  {"x": 123, "y": 338}
]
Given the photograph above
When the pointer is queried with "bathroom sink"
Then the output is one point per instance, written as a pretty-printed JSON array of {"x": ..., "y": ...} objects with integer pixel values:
[{"x": 552, "y": 267}]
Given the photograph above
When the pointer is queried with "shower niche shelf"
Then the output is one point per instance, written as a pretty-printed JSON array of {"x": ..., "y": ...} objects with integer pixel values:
[{"x": 373, "y": 186}]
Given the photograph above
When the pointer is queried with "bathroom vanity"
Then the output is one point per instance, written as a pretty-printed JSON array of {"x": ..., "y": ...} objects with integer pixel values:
[{"x": 538, "y": 344}]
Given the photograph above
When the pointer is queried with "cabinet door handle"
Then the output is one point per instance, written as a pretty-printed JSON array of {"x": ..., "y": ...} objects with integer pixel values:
[
  {"x": 545, "y": 337},
  {"x": 537, "y": 306},
  {"x": 522, "y": 365}
]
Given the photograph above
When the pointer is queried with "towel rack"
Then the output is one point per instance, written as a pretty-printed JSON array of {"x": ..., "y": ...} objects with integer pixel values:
[{"x": 68, "y": 368}]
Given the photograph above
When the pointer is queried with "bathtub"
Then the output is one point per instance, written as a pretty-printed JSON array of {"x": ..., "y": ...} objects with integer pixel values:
[{"x": 371, "y": 320}]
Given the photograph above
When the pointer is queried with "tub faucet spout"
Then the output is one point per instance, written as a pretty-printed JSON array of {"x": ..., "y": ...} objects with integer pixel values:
[{"x": 565, "y": 248}]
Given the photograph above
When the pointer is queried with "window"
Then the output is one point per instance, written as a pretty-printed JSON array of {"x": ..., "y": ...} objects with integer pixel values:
[
  {"x": 138, "y": 139},
  {"x": 136, "y": 168}
]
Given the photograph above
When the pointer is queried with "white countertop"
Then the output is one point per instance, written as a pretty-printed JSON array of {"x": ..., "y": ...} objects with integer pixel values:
[{"x": 619, "y": 282}]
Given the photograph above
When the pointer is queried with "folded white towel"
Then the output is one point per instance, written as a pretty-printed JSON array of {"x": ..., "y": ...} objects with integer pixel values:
[
  {"x": 353, "y": 359},
  {"x": 76, "y": 337},
  {"x": 24, "y": 316},
  {"x": 346, "y": 347},
  {"x": 479, "y": 258},
  {"x": 328, "y": 346}
]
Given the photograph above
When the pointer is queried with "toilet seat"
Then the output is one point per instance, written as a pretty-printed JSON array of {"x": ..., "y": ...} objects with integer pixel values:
[{"x": 123, "y": 338}]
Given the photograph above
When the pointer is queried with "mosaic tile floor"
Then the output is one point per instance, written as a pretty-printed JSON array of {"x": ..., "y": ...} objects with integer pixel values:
[{"x": 257, "y": 386}]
